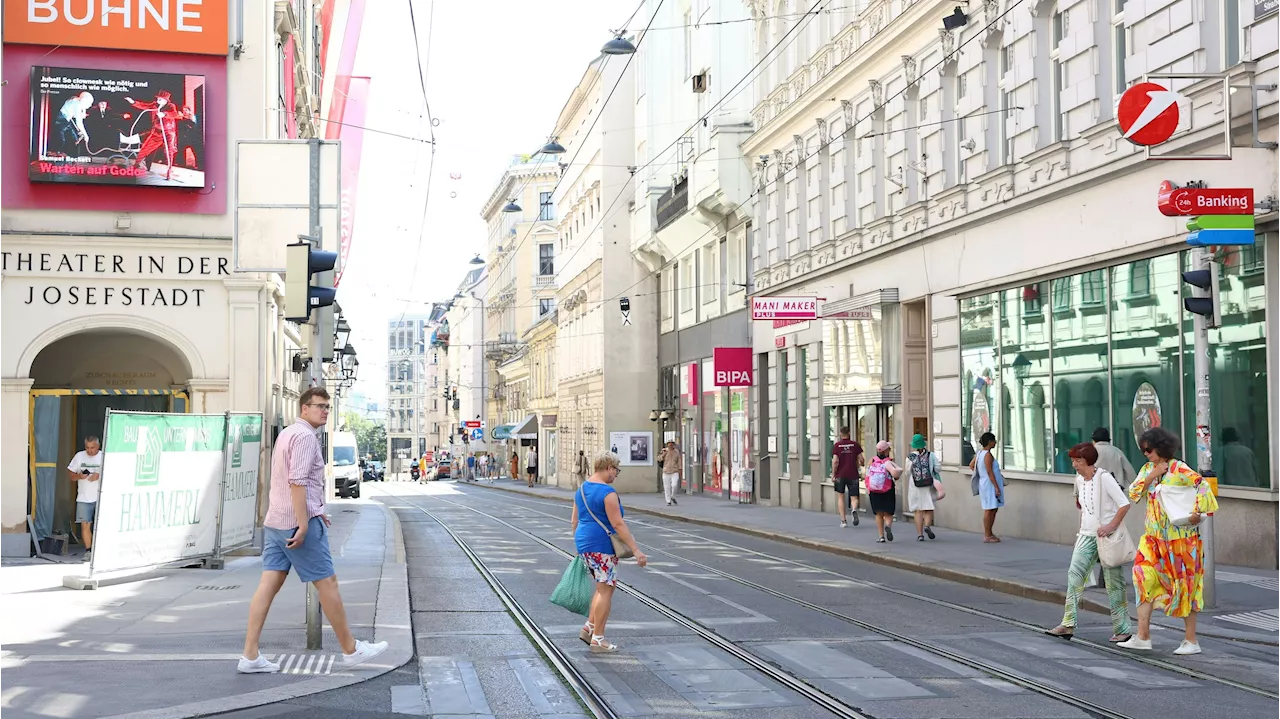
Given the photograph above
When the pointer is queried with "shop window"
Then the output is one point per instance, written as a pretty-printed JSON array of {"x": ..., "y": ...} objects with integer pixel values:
[
  {"x": 1145, "y": 352},
  {"x": 1080, "y": 372},
  {"x": 1237, "y": 380},
  {"x": 978, "y": 365},
  {"x": 1025, "y": 371}
]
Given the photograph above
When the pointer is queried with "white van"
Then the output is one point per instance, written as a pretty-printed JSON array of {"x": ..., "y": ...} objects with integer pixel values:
[{"x": 346, "y": 467}]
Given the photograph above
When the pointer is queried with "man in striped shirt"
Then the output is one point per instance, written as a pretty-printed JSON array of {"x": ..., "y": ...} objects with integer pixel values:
[{"x": 296, "y": 536}]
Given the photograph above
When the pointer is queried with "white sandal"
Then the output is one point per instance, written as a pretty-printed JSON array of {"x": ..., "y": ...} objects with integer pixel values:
[
  {"x": 600, "y": 646},
  {"x": 585, "y": 633}
]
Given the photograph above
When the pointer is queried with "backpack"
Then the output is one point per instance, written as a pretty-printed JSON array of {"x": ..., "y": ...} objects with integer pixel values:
[
  {"x": 922, "y": 470},
  {"x": 878, "y": 479}
]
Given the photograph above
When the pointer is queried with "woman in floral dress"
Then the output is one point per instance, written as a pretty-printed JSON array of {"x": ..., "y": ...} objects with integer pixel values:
[{"x": 1168, "y": 572}]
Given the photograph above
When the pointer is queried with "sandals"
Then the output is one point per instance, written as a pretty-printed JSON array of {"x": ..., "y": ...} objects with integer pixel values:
[
  {"x": 1117, "y": 638},
  {"x": 990, "y": 540},
  {"x": 1062, "y": 631},
  {"x": 585, "y": 633},
  {"x": 599, "y": 645}
]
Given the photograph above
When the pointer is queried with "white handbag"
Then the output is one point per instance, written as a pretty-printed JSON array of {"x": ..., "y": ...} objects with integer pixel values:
[
  {"x": 1178, "y": 503},
  {"x": 1117, "y": 549}
]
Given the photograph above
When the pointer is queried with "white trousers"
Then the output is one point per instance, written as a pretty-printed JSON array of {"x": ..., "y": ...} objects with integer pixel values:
[{"x": 670, "y": 484}]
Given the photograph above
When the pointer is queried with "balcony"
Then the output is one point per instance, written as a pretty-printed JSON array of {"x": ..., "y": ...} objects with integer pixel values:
[{"x": 544, "y": 281}]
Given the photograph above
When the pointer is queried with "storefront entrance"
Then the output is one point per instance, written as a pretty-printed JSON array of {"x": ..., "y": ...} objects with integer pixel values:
[
  {"x": 68, "y": 402},
  {"x": 868, "y": 424}
]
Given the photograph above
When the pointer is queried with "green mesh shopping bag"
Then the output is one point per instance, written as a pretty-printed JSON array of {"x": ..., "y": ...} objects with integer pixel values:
[{"x": 575, "y": 589}]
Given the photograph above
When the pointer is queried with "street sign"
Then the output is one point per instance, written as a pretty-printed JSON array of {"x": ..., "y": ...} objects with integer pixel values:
[
  {"x": 473, "y": 424},
  {"x": 477, "y": 433},
  {"x": 784, "y": 308},
  {"x": 1148, "y": 113},
  {"x": 1182, "y": 201}
]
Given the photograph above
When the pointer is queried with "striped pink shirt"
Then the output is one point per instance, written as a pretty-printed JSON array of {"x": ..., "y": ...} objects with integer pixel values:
[{"x": 297, "y": 459}]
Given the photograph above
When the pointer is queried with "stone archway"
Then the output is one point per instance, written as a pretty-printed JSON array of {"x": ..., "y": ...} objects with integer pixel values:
[{"x": 166, "y": 336}]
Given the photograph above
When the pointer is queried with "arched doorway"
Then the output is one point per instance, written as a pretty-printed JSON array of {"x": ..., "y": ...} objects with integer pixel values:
[{"x": 75, "y": 380}]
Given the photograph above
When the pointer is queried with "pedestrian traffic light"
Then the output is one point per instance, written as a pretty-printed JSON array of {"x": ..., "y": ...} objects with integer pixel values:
[
  {"x": 1207, "y": 307},
  {"x": 302, "y": 261}
]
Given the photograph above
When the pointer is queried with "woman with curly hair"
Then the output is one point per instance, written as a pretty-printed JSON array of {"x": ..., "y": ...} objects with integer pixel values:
[{"x": 1168, "y": 571}]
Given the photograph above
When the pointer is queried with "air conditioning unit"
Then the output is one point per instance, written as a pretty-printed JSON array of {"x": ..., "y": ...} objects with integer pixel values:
[{"x": 700, "y": 82}]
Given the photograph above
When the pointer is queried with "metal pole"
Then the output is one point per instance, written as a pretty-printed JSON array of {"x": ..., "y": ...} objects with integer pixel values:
[
  {"x": 1201, "y": 258},
  {"x": 316, "y": 377}
]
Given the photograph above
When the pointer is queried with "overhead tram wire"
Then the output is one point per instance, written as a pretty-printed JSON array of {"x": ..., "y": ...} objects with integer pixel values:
[
  {"x": 788, "y": 38},
  {"x": 639, "y": 40},
  {"x": 417, "y": 54},
  {"x": 955, "y": 52}
]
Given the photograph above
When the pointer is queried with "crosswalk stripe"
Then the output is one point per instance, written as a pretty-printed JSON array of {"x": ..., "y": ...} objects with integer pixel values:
[{"x": 1268, "y": 620}]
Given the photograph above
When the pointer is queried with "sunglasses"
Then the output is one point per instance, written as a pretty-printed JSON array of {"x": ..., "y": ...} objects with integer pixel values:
[{"x": 1147, "y": 450}]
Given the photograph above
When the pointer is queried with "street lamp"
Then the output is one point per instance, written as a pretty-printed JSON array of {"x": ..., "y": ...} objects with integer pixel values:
[
  {"x": 511, "y": 206},
  {"x": 342, "y": 331},
  {"x": 552, "y": 147},
  {"x": 619, "y": 45},
  {"x": 477, "y": 260}
]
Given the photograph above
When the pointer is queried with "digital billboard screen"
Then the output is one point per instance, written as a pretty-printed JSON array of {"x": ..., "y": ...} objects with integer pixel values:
[{"x": 117, "y": 127}]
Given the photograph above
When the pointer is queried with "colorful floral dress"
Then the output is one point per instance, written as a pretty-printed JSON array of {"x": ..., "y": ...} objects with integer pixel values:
[{"x": 1168, "y": 570}]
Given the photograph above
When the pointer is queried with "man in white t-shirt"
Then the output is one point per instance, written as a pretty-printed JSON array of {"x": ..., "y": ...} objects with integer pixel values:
[{"x": 85, "y": 470}]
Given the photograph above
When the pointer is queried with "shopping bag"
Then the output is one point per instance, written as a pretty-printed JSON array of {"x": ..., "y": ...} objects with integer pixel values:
[
  {"x": 1117, "y": 549},
  {"x": 575, "y": 589},
  {"x": 1178, "y": 502}
]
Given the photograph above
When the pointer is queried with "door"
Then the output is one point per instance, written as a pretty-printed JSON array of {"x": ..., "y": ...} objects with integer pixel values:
[{"x": 916, "y": 372}]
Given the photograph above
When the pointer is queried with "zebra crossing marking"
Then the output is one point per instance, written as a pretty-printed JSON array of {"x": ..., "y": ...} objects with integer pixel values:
[{"x": 1267, "y": 620}]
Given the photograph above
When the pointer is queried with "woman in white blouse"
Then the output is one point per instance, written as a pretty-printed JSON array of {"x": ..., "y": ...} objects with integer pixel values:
[{"x": 1102, "y": 506}]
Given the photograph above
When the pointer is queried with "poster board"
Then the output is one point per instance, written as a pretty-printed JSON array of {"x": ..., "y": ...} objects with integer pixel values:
[
  {"x": 240, "y": 480},
  {"x": 633, "y": 449}
]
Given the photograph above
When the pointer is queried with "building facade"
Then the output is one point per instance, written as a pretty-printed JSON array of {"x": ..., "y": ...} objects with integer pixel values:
[
  {"x": 604, "y": 354},
  {"x": 690, "y": 223},
  {"x": 970, "y": 203},
  {"x": 413, "y": 382},
  {"x": 147, "y": 312},
  {"x": 522, "y": 262},
  {"x": 467, "y": 374}
]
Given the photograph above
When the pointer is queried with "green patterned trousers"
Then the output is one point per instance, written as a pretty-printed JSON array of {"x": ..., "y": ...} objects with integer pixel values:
[{"x": 1082, "y": 561}]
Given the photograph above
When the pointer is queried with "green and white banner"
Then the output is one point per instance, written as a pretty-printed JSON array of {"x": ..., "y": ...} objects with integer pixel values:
[
  {"x": 161, "y": 479},
  {"x": 240, "y": 481}
]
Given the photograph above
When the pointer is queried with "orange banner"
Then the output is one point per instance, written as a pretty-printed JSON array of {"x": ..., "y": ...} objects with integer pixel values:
[{"x": 186, "y": 26}]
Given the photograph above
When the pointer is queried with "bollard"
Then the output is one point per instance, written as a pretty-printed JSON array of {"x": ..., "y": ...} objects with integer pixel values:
[{"x": 314, "y": 637}]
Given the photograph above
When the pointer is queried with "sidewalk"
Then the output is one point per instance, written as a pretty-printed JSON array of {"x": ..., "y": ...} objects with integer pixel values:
[
  {"x": 1246, "y": 602},
  {"x": 164, "y": 646}
]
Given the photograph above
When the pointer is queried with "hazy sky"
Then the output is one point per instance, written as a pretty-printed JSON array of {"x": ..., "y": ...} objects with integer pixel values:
[{"x": 497, "y": 75}]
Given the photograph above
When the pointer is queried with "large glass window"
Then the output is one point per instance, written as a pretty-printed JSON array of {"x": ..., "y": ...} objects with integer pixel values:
[
  {"x": 1237, "y": 374},
  {"x": 1113, "y": 348},
  {"x": 978, "y": 372},
  {"x": 1144, "y": 351},
  {"x": 1026, "y": 389},
  {"x": 1080, "y": 358}
]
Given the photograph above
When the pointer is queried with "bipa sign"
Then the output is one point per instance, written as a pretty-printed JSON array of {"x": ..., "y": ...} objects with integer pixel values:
[
  {"x": 784, "y": 308},
  {"x": 732, "y": 366},
  {"x": 184, "y": 26}
]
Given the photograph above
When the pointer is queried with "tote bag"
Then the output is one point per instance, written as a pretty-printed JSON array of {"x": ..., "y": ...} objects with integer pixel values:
[
  {"x": 1177, "y": 502},
  {"x": 575, "y": 588}
]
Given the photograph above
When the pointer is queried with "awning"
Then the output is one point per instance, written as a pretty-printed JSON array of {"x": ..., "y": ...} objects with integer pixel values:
[
  {"x": 503, "y": 432},
  {"x": 526, "y": 428}
]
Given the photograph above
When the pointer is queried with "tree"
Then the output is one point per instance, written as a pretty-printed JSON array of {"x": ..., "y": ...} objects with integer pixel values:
[{"x": 371, "y": 437}]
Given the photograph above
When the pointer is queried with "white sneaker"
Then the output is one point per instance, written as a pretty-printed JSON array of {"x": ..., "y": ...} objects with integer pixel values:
[
  {"x": 257, "y": 666},
  {"x": 1187, "y": 647},
  {"x": 1135, "y": 643},
  {"x": 843, "y": 524},
  {"x": 363, "y": 653}
]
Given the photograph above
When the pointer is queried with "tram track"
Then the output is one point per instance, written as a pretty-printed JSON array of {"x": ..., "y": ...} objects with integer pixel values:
[
  {"x": 972, "y": 611},
  {"x": 788, "y": 679}
]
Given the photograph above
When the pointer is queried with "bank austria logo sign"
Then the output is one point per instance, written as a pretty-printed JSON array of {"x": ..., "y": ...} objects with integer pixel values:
[{"x": 1148, "y": 113}]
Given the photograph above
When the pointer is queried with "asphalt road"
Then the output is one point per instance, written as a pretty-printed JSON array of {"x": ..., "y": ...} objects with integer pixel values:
[{"x": 889, "y": 655}]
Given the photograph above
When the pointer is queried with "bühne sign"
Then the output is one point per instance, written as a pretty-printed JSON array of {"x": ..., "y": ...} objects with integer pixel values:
[{"x": 197, "y": 27}]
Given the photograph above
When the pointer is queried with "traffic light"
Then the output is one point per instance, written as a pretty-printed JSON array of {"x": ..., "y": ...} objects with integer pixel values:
[
  {"x": 1204, "y": 306},
  {"x": 300, "y": 295}
]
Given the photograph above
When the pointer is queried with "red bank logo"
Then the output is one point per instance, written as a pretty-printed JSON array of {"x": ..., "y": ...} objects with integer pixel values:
[
  {"x": 1187, "y": 201},
  {"x": 1148, "y": 113}
]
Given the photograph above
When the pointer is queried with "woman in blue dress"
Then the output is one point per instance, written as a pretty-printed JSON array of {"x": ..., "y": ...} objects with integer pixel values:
[{"x": 990, "y": 485}]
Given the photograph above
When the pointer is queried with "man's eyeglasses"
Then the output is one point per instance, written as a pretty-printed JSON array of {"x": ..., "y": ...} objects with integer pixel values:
[{"x": 325, "y": 407}]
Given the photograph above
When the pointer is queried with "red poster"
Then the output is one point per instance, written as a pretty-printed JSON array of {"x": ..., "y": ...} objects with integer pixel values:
[{"x": 352, "y": 135}]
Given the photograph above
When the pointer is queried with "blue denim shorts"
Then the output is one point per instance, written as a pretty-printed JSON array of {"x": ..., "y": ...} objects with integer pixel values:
[
  {"x": 86, "y": 511},
  {"x": 311, "y": 560}
]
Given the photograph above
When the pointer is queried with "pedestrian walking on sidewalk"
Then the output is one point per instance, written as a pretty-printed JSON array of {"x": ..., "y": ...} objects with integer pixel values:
[
  {"x": 597, "y": 505},
  {"x": 846, "y": 457},
  {"x": 295, "y": 535},
  {"x": 514, "y": 464},
  {"x": 1168, "y": 572},
  {"x": 581, "y": 469},
  {"x": 1102, "y": 509},
  {"x": 990, "y": 485},
  {"x": 86, "y": 471},
  {"x": 672, "y": 461},
  {"x": 1112, "y": 459},
  {"x": 926, "y": 483},
  {"x": 531, "y": 466},
  {"x": 881, "y": 475}
]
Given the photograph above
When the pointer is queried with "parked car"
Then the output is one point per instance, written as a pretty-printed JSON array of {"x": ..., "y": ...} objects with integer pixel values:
[
  {"x": 444, "y": 470},
  {"x": 346, "y": 468}
]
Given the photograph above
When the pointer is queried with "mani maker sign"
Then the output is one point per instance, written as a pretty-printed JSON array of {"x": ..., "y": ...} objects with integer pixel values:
[
  {"x": 161, "y": 477},
  {"x": 183, "y": 26}
]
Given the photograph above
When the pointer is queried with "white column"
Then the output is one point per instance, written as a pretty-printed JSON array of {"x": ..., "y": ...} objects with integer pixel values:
[{"x": 15, "y": 412}]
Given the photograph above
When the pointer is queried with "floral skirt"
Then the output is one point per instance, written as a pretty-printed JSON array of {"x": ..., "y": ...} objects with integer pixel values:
[
  {"x": 603, "y": 567},
  {"x": 1169, "y": 573}
]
